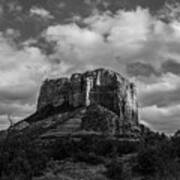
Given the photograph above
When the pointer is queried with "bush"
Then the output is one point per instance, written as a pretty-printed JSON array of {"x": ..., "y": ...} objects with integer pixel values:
[
  {"x": 21, "y": 157},
  {"x": 147, "y": 161},
  {"x": 115, "y": 170},
  {"x": 118, "y": 170},
  {"x": 158, "y": 159},
  {"x": 127, "y": 147}
]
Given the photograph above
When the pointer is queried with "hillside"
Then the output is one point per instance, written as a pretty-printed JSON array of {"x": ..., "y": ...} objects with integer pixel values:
[{"x": 86, "y": 127}]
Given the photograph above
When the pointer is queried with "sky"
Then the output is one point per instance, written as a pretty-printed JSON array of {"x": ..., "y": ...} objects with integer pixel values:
[{"x": 42, "y": 39}]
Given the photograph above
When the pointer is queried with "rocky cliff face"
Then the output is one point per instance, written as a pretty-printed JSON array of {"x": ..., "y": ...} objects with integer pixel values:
[
  {"x": 99, "y": 102},
  {"x": 103, "y": 87}
]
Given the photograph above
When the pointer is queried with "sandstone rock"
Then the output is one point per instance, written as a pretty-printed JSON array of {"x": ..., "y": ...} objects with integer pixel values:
[
  {"x": 54, "y": 92},
  {"x": 104, "y": 87},
  {"x": 101, "y": 120},
  {"x": 108, "y": 101}
]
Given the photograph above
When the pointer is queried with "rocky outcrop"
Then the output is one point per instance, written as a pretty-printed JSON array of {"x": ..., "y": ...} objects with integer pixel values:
[
  {"x": 89, "y": 117},
  {"x": 104, "y": 87},
  {"x": 100, "y": 102},
  {"x": 100, "y": 119}
]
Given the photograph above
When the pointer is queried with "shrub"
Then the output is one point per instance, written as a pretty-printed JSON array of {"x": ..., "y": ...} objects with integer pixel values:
[
  {"x": 158, "y": 159},
  {"x": 115, "y": 170},
  {"x": 21, "y": 157},
  {"x": 147, "y": 161}
]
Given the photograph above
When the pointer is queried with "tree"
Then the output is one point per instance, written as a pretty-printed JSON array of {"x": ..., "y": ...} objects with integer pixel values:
[{"x": 10, "y": 120}]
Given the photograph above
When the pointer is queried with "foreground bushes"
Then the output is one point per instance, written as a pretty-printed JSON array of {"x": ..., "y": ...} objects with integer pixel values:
[
  {"x": 22, "y": 157},
  {"x": 156, "y": 156}
]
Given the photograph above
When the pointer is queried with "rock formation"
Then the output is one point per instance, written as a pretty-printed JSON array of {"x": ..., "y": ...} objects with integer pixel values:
[
  {"x": 96, "y": 107},
  {"x": 103, "y": 87}
]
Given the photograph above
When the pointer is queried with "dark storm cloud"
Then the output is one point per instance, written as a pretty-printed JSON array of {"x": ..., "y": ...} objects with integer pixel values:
[
  {"x": 140, "y": 69},
  {"x": 171, "y": 66}
]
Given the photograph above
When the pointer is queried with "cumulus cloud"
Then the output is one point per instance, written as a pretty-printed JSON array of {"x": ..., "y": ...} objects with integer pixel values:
[
  {"x": 78, "y": 47},
  {"x": 165, "y": 119},
  {"x": 106, "y": 40},
  {"x": 121, "y": 36},
  {"x": 160, "y": 102},
  {"x": 163, "y": 92},
  {"x": 45, "y": 46},
  {"x": 21, "y": 71},
  {"x": 131, "y": 42},
  {"x": 14, "y": 7},
  {"x": 41, "y": 12},
  {"x": 116, "y": 40},
  {"x": 170, "y": 11}
]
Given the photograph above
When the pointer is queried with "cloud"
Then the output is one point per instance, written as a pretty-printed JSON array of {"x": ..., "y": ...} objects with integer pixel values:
[
  {"x": 1, "y": 11},
  {"x": 106, "y": 40},
  {"x": 111, "y": 40},
  {"x": 41, "y": 12},
  {"x": 171, "y": 66},
  {"x": 21, "y": 73},
  {"x": 11, "y": 36},
  {"x": 41, "y": 43},
  {"x": 16, "y": 109},
  {"x": 13, "y": 7},
  {"x": 19, "y": 93},
  {"x": 141, "y": 51},
  {"x": 140, "y": 69},
  {"x": 163, "y": 92},
  {"x": 78, "y": 47},
  {"x": 169, "y": 11},
  {"x": 119, "y": 29},
  {"x": 134, "y": 43},
  {"x": 165, "y": 119},
  {"x": 146, "y": 69},
  {"x": 61, "y": 5}
]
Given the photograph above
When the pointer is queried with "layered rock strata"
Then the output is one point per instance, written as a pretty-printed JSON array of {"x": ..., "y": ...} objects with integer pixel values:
[{"x": 104, "y": 87}]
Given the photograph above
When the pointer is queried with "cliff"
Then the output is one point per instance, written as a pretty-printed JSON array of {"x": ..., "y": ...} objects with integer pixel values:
[
  {"x": 99, "y": 102},
  {"x": 104, "y": 87},
  {"x": 89, "y": 117}
]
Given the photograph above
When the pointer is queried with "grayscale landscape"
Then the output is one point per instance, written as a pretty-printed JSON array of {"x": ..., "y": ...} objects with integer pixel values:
[{"x": 89, "y": 89}]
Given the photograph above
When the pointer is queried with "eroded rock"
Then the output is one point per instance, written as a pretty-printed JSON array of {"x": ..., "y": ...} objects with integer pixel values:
[{"x": 101, "y": 87}]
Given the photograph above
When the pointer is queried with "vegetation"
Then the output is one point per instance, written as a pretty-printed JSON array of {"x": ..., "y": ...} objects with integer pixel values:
[{"x": 155, "y": 157}]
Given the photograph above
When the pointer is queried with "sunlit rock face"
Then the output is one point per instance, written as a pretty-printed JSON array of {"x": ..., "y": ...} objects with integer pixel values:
[{"x": 104, "y": 87}]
